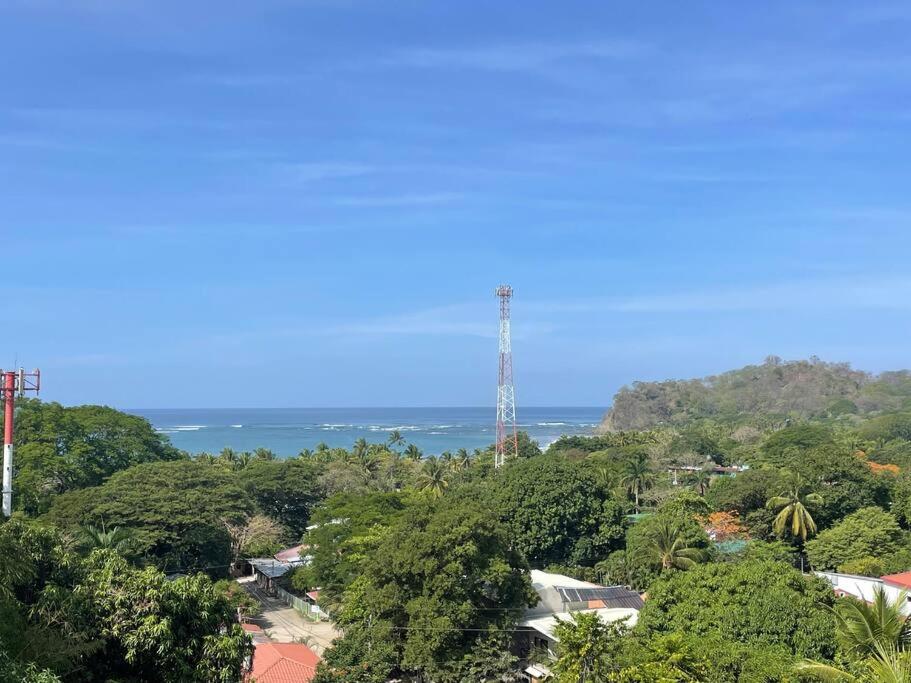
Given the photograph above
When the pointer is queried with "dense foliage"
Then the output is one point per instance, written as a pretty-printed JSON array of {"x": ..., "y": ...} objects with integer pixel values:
[
  {"x": 711, "y": 499},
  {"x": 98, "y": 618},
  {"x": 772, "y": 392}
]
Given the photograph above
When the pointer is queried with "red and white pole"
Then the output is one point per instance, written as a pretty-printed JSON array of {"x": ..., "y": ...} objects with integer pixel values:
[{"x": 9, "y": 398}]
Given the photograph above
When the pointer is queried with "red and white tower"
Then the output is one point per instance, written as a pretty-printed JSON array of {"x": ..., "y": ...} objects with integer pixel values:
[
  {"x": 13, "y": 383},
  {"x": 507, "y": 435}
]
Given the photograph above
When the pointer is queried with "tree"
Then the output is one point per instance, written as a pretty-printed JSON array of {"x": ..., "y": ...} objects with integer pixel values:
[
  {"x": 446, "y": 573},
  {"x": 285, "y": 490},
  {"x": 349, "y": 529},
  {"x": 62, "y": 449},
  {"x": 868, "y": 533},
  {"x": 587, "y": 648},
  {"x": 174, "y": 510},
  {"x": 669, "y": 548},
  {"x": 555, "y": 511},
  {"x": 169, "y": 631},
  {"x": 701, "y": 480},
  {"x": 413, "y": 453},
  {"x": 395, "y": 438},
  {"x": 650, "y": 539},
  {"x": 793, "y": 516},
  {"x": 253, "y": 537},
  {"x": 756, "y": 603},
  {"x": 887, "y": 666},
  {"x": 637, "y": 476},
  {"x": 100, "y": 619},
  {"x": 433, "y": 477},
  {"x": 119, "y": 540},
  {"x": 876, "y": 636},
  {"x": 861, "y": 626}
]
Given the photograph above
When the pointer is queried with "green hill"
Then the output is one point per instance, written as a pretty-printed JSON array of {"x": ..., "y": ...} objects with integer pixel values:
[{"x": 772, "y": 391}]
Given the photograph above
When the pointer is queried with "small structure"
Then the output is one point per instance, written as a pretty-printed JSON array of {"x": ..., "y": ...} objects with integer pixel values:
[
  {"x": 714, "y": 470},
  {"x": 559, "y": 597},
  {"x": 283, "y": 663},
  {"x": 865, "y": 587},
  {"x": 267, "y": 570},
  {"x": 295, "y": 556},
  {"x": 312, "y": 598}
]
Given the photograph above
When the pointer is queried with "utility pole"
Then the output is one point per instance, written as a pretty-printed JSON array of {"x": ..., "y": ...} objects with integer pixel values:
[
  {"x": 13, "y": 383},
  {"x": 507, "y": 435}
]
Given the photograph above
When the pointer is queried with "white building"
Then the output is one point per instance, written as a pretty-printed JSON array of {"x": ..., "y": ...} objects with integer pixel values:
[
  {"x": 559, "y": 598},
  {"x": 864, "y": 587}
]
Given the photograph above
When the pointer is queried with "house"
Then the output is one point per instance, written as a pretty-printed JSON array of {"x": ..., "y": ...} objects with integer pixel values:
[
  {"x": 864, "y": 587},
  {"x": 267, "y": 571},
  {"x": 256, "y": 633},
  {"x": 295, "y": 556},
  {"x": 282, "y": 663},
  {"x": 714, "y": 470},
  {"x": 559, "y": 597}
]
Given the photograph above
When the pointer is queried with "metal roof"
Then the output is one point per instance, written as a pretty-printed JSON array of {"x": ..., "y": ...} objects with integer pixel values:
[
  {"x": 610, "y": 596},
  {"x": 270, "y": 567}
]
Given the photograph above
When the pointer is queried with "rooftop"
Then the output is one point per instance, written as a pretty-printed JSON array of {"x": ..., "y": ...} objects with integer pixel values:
[
  {"x": 546, "y": 624},
  {"x": 283, "y": 663},
  {"x": 902, "y": 580}
]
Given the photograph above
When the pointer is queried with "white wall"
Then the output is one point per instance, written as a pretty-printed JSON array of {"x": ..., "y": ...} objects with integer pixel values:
[{"x": 863, "y": 587}]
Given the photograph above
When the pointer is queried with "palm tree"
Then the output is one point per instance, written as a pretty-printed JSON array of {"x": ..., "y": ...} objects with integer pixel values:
[
  {"x": 669, "y": 548},
  {"x": 888, "y": 664},
  {"x": 228, "y": 455},
  {"x": 432, "y": 477},
  {"x": 861, "y": 626},
  {"x": 412, "y": 452},
  {"x": 876, "y": 633},
  {"x": 701, "y": 480},
  {"x": 395, "y": 438},
  {"x": 243, "y": 460},
  {"x": 264, "y": 454},
  {"x": 360, "y": 449},
  {"x": 793, "y": 514},
  {"x": 637, "y": 476},
  {"x": 462, "y": 460},
  {"x": 119, "y": 540}
]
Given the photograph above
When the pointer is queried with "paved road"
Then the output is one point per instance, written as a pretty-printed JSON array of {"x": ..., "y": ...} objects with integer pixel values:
[{"x": 285, "y": 624}]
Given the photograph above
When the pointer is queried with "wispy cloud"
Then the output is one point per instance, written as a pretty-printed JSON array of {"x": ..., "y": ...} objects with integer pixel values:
[
  {"x": 315, "y": 171},
  {"x": 845, "y": 293},
  {"x": 427, "y": 199},
  {"x": 516, "y": 56}
]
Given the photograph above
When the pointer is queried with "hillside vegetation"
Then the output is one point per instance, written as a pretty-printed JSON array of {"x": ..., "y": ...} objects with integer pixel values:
[{"x": 770, "y": 393}]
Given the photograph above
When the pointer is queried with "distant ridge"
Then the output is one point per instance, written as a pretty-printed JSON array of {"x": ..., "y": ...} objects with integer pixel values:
[{"x": 776, "y": 389}]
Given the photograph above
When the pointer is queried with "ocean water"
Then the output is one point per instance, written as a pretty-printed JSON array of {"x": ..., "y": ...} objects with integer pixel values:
[{"x": 288, "y": 430}]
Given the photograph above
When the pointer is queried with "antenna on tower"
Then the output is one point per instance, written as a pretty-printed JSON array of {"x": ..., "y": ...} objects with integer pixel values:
[
  {"x": 507, "y": 434},
  {"x": 13, "y": 383}
]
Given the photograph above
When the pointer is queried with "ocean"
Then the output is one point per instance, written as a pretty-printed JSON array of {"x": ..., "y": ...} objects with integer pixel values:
[{"x": 286, "y": 431}]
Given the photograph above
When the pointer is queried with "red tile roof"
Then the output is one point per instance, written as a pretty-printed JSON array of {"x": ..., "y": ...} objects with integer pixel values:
[
  {"x": 291, "y": 554},
  {"x": 283, "y": 663},
  {"x": 902, "y": 580}
]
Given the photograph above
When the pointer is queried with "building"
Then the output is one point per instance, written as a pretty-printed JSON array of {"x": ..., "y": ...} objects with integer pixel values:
[
  {"x": 283, "y": 663},
  {"x": 864, "y": 587},
  {"x": 559, "y": 597},
  {"x": 267, "y": 571}
]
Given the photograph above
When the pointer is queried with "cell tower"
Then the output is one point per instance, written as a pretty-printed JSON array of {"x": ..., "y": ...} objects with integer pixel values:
[
  {"x": 507, "y": 436},
  {"x": 13, "y": 383}
]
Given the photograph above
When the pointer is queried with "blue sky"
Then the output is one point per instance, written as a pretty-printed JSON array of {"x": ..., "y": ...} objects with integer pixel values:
[{"x": 309, "y": 203}]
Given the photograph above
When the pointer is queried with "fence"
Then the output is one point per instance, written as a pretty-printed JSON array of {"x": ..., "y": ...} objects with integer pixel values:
[{"x": 301, "y": 605}]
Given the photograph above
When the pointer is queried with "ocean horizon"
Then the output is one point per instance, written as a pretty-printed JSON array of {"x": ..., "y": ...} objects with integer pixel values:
[{"x": 286, "y": 431}]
